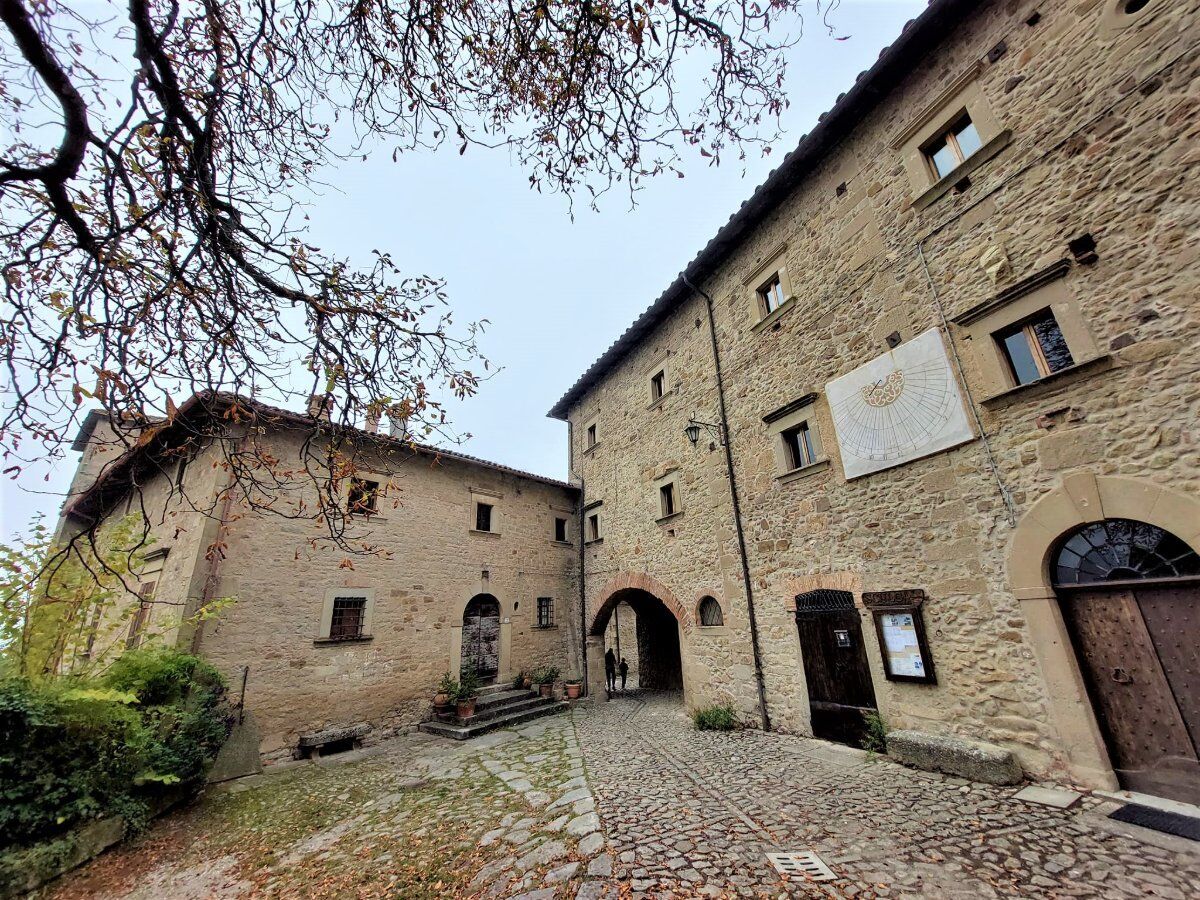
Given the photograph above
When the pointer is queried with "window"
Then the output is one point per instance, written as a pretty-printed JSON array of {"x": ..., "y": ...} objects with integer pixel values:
[
  {"x": 799, "y": 445},
  {"x": 953, "y": 147},
  {"x": 180, "y": 470},
  {"x": 770, "y": 295},
  {"x": 141, "y": 616},
  {"x": 560, "y": 530},
  {"x": 710, "y": 612},
  {"x": 593, "y": 523},
  {"x": 658, "y": 384},
  {"x": 666, "y": 498},
  {"x": 483, "y": 517},
  {"x": 349, "y": 618},
  {"x": 1035, "y": 348},
  {"x": 363, "y": 498},
  {"x": 545, "y": 612},
  {"x": 591, "y": 436}
]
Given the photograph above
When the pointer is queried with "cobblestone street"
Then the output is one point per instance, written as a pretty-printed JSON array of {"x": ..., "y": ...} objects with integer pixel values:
[
  {"x": 624, "y": 799},
  {"x": 690, "y": 812}
]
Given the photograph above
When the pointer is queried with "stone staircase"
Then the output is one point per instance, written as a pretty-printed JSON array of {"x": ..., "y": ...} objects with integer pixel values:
[{"x": 498, "y": 706}]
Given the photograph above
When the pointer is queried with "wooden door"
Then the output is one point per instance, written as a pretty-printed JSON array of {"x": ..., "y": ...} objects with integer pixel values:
[
  {"x": 1136, "y": 645},
  {"x": 481, "y": 637},
  {"x": 840, "y": 690}
]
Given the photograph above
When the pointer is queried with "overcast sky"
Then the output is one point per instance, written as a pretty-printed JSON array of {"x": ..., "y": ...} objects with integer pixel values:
[{"x": 557, "y": 292}]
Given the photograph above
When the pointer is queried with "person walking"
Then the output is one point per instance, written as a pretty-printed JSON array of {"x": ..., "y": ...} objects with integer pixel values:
[
  {"x": 624, "y": 669},
  {"x": 610, "y": 670}
]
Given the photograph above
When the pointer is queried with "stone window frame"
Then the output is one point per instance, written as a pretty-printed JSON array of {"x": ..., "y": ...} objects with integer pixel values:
[
  {"x": 1044, "y": 290},
  {"x": 718, "y": 626},
  {"x": 774, "y": 267},
  {"x": 537, "y": 614},
  {"x": 1115, "y": 19},
  {"x": 492, "y": 499},
  {"x": 668, "y": 479},
  {"x": 660, "y": 366},
  {"x": 590, "y": 427},
  {"x": 593, "y": 523},
  {"x": 803, "y": 410},
  {"x": 326, "y": 623},
  {"x": 963, "y": 96}
]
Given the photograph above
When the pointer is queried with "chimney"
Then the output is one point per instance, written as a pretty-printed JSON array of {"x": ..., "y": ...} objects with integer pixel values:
[
  {"x": 399, "y": 423},
  {"x": 373, "y": 416},
  {"x": 320, "y": 406}
]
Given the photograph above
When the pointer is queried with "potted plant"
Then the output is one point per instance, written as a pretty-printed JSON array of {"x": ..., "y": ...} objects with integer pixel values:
[
  {"x": 544, "y": 677},
  {"x": 468, "y": 690},
  {"x": 526, "y": 679},
  {"x": 447, "y": 688},
  {"x": 574, "y": 689}
]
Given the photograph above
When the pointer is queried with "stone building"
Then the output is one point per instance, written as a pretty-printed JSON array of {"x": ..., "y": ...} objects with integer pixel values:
[
  {"x": 942, "y": 378},
  {"x": 325, "y": 639}
]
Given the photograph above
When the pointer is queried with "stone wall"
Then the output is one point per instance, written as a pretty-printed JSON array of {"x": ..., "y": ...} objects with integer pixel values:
[
  {"x": 621, "y": 637},
  {"x": 1101, "y": 115}
]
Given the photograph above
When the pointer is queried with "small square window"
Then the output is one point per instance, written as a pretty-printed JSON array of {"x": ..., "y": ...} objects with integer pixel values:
[
  {"x": 591, "y": 436},
  {"x": 658, "y": 385},
  {"x": 593, "y": 522},
  {"x": 545, "y": 612},
  {"x": 800, "y": 446},
  {"x": 770, "y": 295},
  {"x": 483, "y": 517},
  {"x": 667, "y": 500},
  {"x": 952, "y": 147},
  {"x": 560, "y": 530},
  {"x": 349, "y": 615},
  {"x": 363, "y": 498},
  {"x": 1034, "y": 348}
]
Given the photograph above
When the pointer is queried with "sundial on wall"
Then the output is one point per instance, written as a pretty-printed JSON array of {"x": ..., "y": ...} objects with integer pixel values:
[{"x": 900, "y": 406}]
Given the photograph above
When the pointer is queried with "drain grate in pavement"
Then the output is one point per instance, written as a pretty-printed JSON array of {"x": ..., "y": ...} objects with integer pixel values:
[
  {"x": 805, "y": 863},
  {"x": 1159, "y": 820}
]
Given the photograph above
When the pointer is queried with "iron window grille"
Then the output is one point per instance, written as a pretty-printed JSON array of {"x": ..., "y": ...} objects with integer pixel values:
[
  {"x": 349, "y": 618},
  {"x": 814, "y": 603},
  {"x": 545, "y": 612},
  {"x": 710, "y": 612}
]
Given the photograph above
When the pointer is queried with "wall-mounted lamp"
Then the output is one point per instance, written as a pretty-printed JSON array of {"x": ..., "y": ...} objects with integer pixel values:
[{"x": 692, "y": 430}]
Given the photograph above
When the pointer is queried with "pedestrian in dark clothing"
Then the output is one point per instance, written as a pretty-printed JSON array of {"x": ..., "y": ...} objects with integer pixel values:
[
  {"x": 610, "y": 670},
  {"x": 624, "y": 669}
]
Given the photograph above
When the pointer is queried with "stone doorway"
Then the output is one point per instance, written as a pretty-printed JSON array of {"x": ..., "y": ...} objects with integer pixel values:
[
  {"x": 481, "y": 637},
  {"x": 649, "y": 636}
]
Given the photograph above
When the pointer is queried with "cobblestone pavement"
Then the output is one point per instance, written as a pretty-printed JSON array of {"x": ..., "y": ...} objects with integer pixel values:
[
  {"x": 691, "y": 813},
  {"x": 625, "y": 799}
]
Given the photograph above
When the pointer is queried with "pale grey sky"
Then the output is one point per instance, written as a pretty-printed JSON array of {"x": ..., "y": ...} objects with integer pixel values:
[{"x": 557, "y": 292}]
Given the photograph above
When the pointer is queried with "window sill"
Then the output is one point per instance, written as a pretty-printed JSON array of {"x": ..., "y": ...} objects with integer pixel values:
[
  {"x": 494, "y": 534},
  {"x": 562, "y": 544},
  {"x": 663, "y": 520},
  {"x": 712, "y": 630},
  {"x": 659, "y": 401},
  {"x": 775, "y": 315},
  {"x": 362, "y": 639},
  {"x": 593, "y": 541},
  {"x": 366, "y": 518},
  {"x": 545, "y": 627},
  {"x": 588, "y": 451},
  {"x": 804, "y": 471},
  {"x": 981, "y": 156},
  {"x": 1062, "y": 377}
]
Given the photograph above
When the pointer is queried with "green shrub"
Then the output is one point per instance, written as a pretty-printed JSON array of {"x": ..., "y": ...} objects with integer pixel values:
[
  {"x": 72, "y": 750},
  {"x": 546, "y": 674},
  {"x": 874, "y": 737},
  {"x": 715, "y": 718}
]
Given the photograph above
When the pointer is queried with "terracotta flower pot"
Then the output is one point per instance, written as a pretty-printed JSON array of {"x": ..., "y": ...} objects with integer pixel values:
[
  {"x": 465, "y": 708},
  {"x": 547, "y": 689},
  {"x": 574, "y": 690},
  {"x": 526, "y": 682},
  {"x": 441, "y": 700}
]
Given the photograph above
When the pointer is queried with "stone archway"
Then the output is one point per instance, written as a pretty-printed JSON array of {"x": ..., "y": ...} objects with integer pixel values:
[
  {"x": 1082, "y": 498},
  {"x": 661, "y": 623}
]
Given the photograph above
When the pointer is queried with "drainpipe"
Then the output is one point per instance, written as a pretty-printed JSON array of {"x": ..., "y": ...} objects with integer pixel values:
[
  {"x": 583, "y": 629},
  {"x": 737, "y": 509}
]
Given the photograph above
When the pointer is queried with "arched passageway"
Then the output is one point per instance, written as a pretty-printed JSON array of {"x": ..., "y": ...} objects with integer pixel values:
[{"x": 656, "y": 654}]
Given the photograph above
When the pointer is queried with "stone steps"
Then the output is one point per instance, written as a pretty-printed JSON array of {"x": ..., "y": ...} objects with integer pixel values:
[{"x": 497, "y": 716}]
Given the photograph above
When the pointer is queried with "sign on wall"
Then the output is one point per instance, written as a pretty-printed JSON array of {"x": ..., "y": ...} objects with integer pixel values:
[
  {"x": 899, "y": 407},
  {"x": 901, "y": 633}
]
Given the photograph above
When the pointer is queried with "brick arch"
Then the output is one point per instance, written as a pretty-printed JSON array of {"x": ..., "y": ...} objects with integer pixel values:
[{"x": 637, "y": 581}]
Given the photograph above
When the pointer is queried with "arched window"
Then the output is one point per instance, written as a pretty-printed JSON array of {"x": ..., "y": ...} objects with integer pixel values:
[
  {"x": 1122, "y": 550},
  {"x": 710, "y": 612}
]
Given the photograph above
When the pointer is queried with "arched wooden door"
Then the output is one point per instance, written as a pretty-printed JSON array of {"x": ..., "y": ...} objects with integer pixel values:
[
  {"x": 1130, "y": 597},
  {"x": 481, "y": 636}
]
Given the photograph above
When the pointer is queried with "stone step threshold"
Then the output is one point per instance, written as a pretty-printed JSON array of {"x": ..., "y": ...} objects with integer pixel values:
[
  {"x": 473, "y": 726},
  {"x": 492, "y": 712}
]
